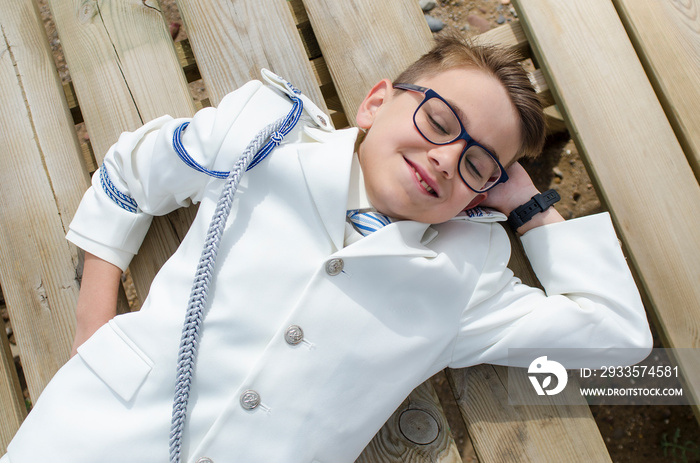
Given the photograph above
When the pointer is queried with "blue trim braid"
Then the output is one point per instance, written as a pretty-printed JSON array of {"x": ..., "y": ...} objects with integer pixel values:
[
  {"x": 275, "y": 139},
  {"x": 122, "y": 200}
]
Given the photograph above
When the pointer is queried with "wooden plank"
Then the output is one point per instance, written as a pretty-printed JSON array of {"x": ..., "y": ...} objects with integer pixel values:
[
  {"x": 666, "y": 36},
  {"x": 186, "y": 58},
  {"x": 125, "y": 73},
  {"x": 42, "y": 179},
  {"x": 509, "y": 35},
  {"x": 632, "y": 154},
  {"x": 232, "y": 42},
  {"x": 301, "y": 19},
  {"x": 123, "y": 66},
  {"x": 502, "y": 432},
  {"x": 13, "y": 410},
  {"x": 417, "y": 431},
  {"x": 512, "y": 36},
  {"x": 364, "y": 41},
  {"x": 12, "y": 406}
]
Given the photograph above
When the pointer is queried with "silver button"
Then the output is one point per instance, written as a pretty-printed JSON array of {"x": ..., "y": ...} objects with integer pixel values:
[
  {"x": 250, "y": 399},
  {"x": 334, "y": 266},
  {"x": 204, "y": 460},
  {"x": 294, "y": 335}
]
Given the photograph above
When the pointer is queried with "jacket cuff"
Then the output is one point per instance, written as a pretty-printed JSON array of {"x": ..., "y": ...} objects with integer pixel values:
[
  {"x": 561, "y": 253},
  {"x": 104, "y": 229}
]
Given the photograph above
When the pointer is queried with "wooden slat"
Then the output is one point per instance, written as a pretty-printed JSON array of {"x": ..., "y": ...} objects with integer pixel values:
[
  {"x": 364, "y": 41},
  {"x": 632, "y": 154},
  {"x": 509, "y": 35},
  {"x": 12, "y": 408},
  {"x": 501, "y": 432},
  {"x": 233, "y": 41},
  {"x": 42, "y": 179},
  {"x": 417, "y": 431},
  {"x": 122, "y": 64},
  {"x": 185, "y": 56},
  {"x": 125, "y": 73},
  {"x": 666, "y": 35}
]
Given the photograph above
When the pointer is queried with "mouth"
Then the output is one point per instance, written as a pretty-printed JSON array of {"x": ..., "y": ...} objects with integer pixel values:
[{"x": 429, "y": 188}]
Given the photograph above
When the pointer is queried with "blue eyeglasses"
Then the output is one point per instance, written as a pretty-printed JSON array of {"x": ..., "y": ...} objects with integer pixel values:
[{"x": 438, "y": 123}]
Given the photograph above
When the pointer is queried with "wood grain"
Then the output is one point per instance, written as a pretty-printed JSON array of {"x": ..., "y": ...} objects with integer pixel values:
[
  {"x": 125, "y": 72},
  {"x": 417, "y": 432},
  {"x": 502, "y": 432},
  {"x": 232, "y": 41},
  {"x": 42, "y": 178},
  {"x": 11, "y": 403},
  {"x": 364, "y": 42},
  {"x": 509, "y": 35},
  {"x": 631, "y": 152},
  {"x": 666, "y": 36}
]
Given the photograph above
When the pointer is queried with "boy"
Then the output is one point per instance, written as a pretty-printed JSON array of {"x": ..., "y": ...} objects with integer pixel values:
[{"x": 313, "y": 333}]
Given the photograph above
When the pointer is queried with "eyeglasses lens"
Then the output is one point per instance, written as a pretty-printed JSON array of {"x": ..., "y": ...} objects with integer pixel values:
[
  {"x": 478, "y": 169},
  {"x": 440, "y": 125},
  {"x": 437, "y": 122}
]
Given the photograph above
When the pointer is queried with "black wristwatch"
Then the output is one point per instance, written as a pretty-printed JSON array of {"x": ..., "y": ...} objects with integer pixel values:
[{"x": 539, "y": 203}]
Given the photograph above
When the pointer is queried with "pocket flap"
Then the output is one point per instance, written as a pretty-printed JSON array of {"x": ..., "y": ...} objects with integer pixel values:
[{"x": 116, "y": 360}]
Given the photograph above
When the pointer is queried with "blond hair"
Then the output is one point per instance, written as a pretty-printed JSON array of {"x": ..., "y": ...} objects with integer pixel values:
[{"x": 451, "y": 51}]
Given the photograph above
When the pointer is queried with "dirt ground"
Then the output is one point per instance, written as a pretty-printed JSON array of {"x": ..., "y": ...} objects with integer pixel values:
[{"x": 631, "y": 433}]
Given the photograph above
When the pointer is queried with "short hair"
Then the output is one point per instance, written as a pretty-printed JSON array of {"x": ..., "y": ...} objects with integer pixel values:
[{"x": 451, "y": 52}]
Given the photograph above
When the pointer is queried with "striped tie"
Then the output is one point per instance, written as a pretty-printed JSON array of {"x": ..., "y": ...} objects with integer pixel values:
[{"x": 367, "y": 222}]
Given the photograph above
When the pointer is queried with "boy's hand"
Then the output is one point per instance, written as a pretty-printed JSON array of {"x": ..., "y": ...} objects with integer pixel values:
[{"x": 515, "y": 192}]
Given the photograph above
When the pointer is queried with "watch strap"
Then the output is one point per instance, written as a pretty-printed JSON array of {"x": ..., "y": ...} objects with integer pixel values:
[{"x": 539, "y": 203}]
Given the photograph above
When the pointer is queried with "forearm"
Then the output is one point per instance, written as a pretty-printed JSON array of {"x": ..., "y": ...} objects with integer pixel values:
[
  {"x": 549, "y": 216},
  {"x": 97, "y": 302},
  {"x": 517, "y": 191}
]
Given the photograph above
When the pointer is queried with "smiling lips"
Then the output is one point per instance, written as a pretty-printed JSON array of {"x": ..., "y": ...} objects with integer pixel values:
[
  {"x": 422, "y": 182},
  {"x": 425, "y": 185}
]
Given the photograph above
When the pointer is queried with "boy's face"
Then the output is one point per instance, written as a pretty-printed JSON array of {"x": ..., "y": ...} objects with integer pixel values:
[{"x": 394, "y": 155}]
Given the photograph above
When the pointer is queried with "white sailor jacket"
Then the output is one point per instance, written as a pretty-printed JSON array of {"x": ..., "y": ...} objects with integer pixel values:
[{"x": 329, "y": 339}]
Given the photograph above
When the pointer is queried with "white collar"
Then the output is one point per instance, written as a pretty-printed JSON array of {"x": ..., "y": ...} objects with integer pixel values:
[{"x": 357, "y": 193}]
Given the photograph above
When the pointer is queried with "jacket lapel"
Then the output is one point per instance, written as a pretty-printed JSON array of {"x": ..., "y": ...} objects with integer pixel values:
[
  {"x": 326, "y": 168},
  {"x": 402, "y": 238}
]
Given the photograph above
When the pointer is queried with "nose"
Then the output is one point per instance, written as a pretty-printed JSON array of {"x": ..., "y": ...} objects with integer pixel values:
[{"x": 444, "y": 158}]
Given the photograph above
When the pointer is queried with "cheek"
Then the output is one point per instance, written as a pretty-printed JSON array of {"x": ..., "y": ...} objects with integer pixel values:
[{"x": 462, "y": 197}]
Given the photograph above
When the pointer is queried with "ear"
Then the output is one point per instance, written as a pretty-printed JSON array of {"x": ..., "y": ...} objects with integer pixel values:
[
  {"x": 376, "y": 97},
  {"x": 477, "y": 200}
]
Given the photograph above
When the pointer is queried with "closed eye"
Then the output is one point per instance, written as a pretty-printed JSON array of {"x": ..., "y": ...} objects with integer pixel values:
[
  {"x": 437, "y": 126},
  {"x": 472, "y": 168}
]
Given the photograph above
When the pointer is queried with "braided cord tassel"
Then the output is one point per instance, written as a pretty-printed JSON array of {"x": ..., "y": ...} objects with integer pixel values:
[{"x": 200, "y": 288}]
